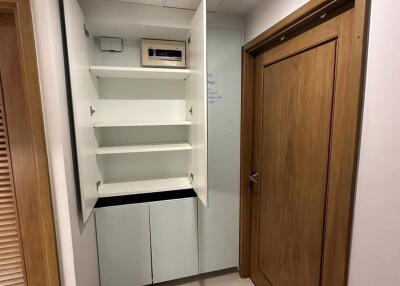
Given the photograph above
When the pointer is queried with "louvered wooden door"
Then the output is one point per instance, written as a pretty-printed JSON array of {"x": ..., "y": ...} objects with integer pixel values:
[
  {"x": 27, "y": 239},
  {"x": 12, "y": 270}
]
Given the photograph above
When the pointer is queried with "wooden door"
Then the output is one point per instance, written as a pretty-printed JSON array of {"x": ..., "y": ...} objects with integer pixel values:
[
  {"x": 302, "y": 126},
  {"x": 27, "y": 239}
]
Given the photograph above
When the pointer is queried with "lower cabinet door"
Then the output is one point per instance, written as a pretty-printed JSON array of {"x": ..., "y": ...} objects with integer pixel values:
[
  {"x": 123, "y": 237},
  {"x": 174, "y": 239}
]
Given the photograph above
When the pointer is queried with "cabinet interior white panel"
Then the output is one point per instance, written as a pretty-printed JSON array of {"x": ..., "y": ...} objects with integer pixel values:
[
  {"x": 137, "y": 167},
  {"x": 141, "y": 100},
  {"x": 141, "y": 89},
  {"x": 84, "y": 95},
  {"x": 141, "y": 135},
  {"x": 141, "y": 110},
  {"x": 174, "y": 239},
  {"x": 197, "y": 100},
  {"x": 219, "y": 223},
  {"x": 125, "y": 19},
  {"x": 123, "y": 237}
]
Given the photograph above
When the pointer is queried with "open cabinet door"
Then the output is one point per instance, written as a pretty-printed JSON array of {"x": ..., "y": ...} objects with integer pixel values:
[
  {"x": 83, "y": 96},
  {"x": 197, "y": 83}
]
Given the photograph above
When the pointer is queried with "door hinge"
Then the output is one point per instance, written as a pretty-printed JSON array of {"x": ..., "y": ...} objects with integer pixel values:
[
  {"x": 86, "y": 31},
  {"x": 191, "y": 110},
  {"x": 98, "y": 184},
  {"x": 92, "y": 111}
]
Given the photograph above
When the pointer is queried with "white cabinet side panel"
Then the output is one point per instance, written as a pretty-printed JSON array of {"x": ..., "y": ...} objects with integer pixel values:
[
  {"x": 219, "y": 223},
  {"x": 123, "y": 237},
  {"x": 84, "y": 95},
  {"x": 197, "y": 97},
  {"x": 174, "y": 239}
]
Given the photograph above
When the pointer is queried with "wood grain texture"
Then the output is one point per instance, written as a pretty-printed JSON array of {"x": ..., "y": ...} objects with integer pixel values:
[
  {"x": 297, "y": 108},
  {"x": 320, "y": 34},
  {"x": 256, "y": 165},
  {"x": 246, "y": 143},
  {"x": 12, "y": 270},
  {"x": 22, "y": 104},
  {"x": 350, "y": 31},
  {"x": 345, "y": 145}
]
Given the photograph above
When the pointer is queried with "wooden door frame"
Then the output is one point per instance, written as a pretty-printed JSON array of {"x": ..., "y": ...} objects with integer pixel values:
[
  {"x": 306, "y": 17},
  {"x": 44, "y": 260}
]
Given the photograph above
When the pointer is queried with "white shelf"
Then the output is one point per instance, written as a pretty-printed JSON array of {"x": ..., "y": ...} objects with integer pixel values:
[
  {"x": 141, "y": 73},
  {"x": 143, "y": 187},
  {"x": 140, "y": 123},
  {"x": 143, "y": 148}
]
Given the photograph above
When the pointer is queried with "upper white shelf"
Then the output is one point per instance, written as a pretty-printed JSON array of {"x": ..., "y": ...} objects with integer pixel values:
[
  {"x": 138, "y": 72},
  {"x": 143, "y": 187},
  {"x": 143, "y": 148},
  {"x": 140, "y": 123}
]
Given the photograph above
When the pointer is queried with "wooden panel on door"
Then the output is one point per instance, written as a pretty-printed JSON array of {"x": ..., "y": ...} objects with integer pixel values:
[
  {"x": 12, "y": 270},
  {"x": 304, "y": 151},
  {"x": 295, "y": 143},
  {"x": 306, "y": 89}
]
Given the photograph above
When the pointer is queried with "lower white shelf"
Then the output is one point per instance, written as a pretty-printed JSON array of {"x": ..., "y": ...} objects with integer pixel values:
[{"x": 143, "y": 187}]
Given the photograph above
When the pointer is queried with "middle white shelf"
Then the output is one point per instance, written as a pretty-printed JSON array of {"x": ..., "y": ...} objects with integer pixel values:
[
  {"x": 139, "y": 72},
  {"x": 143, "y": 148},
  {"x": 140, "y": 123}
]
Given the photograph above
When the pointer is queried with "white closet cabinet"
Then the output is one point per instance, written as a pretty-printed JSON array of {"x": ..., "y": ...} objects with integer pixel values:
[
  {"x": 174, "y": 240},
  {"x": 136, "y": 130},
  {"x": 123, "y": 241},
  {"x": 141, "y": 244}
]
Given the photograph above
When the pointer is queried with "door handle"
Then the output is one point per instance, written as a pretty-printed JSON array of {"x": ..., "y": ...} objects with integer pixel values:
[{"x": 254, "y": 177}]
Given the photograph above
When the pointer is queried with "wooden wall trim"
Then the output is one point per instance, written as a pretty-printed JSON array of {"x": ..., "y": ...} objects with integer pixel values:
[
  {"x": 299, "y": 20},
  {"x": 246, "y": 154},
  {"x": 43, "y": 222},
  {"x": 357, "y": 86}
]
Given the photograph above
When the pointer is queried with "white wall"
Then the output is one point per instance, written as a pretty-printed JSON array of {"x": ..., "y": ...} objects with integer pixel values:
[
  {"x": 375, "y": 258},
  {"x": 267, "y": 13},
  {"x": 77, "y": 249}
]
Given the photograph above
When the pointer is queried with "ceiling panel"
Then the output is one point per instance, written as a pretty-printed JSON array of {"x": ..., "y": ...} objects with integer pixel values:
[
  {"x": 146, "y": 2},
  {"x": 236, "y": 7},
  {"x": 212, "y": 5},
  {"x": 183, "y": 4},
  {"x": 233, "y": 7}
]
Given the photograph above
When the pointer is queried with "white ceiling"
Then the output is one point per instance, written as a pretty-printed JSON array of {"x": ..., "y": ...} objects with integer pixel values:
[{"x": 233, "y": 7}]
